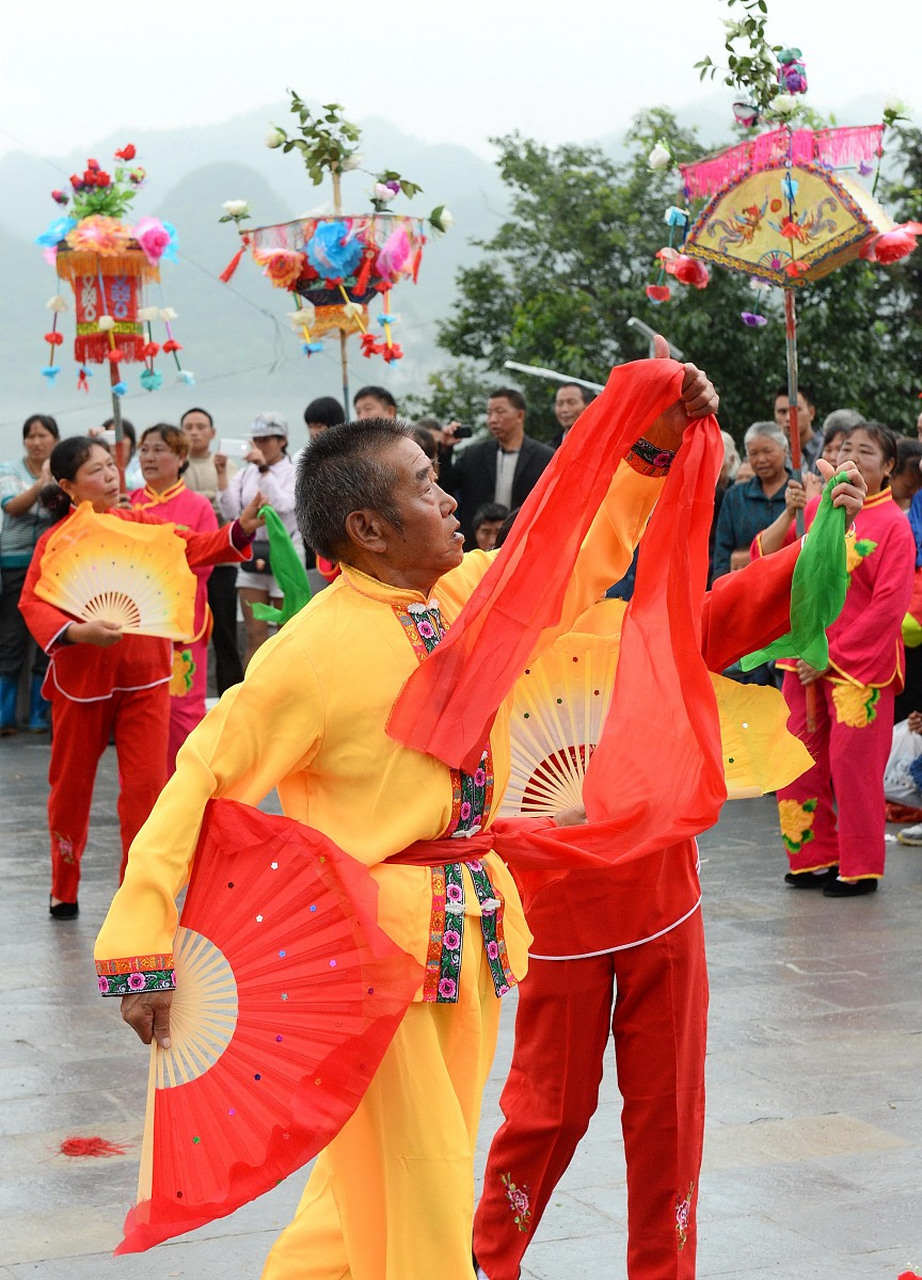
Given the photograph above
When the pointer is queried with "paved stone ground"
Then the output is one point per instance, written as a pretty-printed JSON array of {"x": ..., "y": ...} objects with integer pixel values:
[{"x": 812, "y": 1162}]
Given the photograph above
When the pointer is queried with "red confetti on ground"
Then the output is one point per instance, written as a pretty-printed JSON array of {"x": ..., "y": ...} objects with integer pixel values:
[{"x": 92, "y": 1147}]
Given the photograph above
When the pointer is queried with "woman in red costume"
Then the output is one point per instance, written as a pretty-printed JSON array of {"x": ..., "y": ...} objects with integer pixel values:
[
  {"x": 163, "y": 452},
  {"x": 832, "y": 817},
  {"x": 102, "y": 683}
]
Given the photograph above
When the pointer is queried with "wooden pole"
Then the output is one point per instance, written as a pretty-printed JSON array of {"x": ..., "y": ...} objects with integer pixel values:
[
  {"x": 343, "y": 336},
  {"x": 790, "y": 342}
]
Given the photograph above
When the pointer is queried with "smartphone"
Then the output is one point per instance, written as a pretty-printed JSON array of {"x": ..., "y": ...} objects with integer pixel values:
[
  {"x": 233, "y": 448},
  {"x": 463, "y": 433}
]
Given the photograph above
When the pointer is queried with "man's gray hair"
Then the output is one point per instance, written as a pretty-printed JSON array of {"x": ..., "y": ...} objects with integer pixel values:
[
  {"x": 347, "y": 469},
  {"x": 766, "y": 430}
]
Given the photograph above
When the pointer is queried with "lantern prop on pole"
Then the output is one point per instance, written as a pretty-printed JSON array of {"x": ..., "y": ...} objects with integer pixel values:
[
  {"x": 108, "y": 260},
  {"x": 784, "y": 207},
  {"x": 338, "y": 263}
]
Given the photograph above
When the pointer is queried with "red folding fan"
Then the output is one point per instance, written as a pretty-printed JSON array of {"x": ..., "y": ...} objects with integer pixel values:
[{"x": 287, "y": 996}]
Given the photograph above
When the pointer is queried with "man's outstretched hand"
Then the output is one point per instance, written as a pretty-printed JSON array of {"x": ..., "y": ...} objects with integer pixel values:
[
  {"x": 148, "y": 1014},
  {"x": 698, "y": 400}
]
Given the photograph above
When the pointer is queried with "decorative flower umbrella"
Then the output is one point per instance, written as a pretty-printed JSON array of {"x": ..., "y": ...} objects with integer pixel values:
[
  {"x": 108, "y": 260},
  {"x": 787, "y": 206},
  {"x": 338, "y": 263}
]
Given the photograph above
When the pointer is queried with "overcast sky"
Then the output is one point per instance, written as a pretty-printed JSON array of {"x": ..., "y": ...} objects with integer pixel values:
[{"x": 444, "y": 72}]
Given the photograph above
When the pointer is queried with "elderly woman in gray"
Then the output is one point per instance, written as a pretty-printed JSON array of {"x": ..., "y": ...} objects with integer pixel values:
[{"x": 752, "y": 505}]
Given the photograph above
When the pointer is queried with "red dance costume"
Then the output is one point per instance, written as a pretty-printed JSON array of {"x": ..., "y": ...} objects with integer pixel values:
[
  {"x": 189, "y": 683},
  {"x": 620, "y": 952},
  {"x": 854, "y": 705},
  {"x": 95, "y": 692}
]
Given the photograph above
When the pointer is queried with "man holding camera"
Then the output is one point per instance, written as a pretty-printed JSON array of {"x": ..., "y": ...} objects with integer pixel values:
[{"x": 503, "y": 469}]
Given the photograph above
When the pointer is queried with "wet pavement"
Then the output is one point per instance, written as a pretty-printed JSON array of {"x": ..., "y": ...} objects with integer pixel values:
[{"x": 814, "y": 1138}]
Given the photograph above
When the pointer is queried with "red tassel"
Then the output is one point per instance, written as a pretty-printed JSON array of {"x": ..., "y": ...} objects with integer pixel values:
[
  {"x": 83, "y": 382},
  {"x": 234, "y": 263},
  {"x": 171, "y": 345},
  {"x": 416, "y": 261},
  {"x": 92, "y": 1147},
  {"x": 361, "y": 280}
]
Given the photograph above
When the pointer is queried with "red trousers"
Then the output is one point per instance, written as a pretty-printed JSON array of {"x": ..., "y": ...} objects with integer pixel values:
[
  {"x": 188, "y": 710},
  {"x": 659, "y": 992},
  {"x": 848, "y": 775},
  {"x": 140, "y": 720}
]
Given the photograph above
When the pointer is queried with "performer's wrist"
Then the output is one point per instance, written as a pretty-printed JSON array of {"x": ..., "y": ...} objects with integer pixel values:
[{"x": 649, "y": 459}]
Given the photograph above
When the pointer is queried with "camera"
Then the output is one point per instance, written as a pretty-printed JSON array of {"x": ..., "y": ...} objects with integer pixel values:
[{"x": 463, "y": 433}]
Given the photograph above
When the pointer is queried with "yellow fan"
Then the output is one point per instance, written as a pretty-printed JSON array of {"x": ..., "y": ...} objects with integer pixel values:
[
  {"x": 101, "y": 568},
  {"x": 561, "y": 702}
]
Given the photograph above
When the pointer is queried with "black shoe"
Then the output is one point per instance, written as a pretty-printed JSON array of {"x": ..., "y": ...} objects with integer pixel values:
[
  {"x": 63, "y": 910},
  {"x": 849, "y": 888},
  {"x": 807, "y": 880}
]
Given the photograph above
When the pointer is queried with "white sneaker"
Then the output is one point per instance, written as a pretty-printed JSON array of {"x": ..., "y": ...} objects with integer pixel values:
[{"x": 911, "y": 835}]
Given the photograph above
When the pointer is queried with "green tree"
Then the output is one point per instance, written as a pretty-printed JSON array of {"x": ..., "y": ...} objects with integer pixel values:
[{"x": 560, "y": 279}]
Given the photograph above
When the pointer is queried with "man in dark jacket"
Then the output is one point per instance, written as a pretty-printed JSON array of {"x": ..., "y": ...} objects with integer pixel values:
[{"x": 503, "y": 469}]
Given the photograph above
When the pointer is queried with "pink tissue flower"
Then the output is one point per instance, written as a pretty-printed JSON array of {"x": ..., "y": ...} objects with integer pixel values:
[{"x": 153, "y": 238}]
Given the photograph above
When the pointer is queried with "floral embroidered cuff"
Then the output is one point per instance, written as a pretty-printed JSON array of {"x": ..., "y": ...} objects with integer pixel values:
[
  {"x": 131, "y": 976},
  {"x": 648, "y": 459}
]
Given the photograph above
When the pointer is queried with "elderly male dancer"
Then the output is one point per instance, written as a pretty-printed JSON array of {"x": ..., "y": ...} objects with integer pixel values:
[{"x": 392, "y": 1194}]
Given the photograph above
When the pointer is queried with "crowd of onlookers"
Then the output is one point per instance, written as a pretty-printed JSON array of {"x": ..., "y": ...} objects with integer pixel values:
[{"x": 201, "y": 480}]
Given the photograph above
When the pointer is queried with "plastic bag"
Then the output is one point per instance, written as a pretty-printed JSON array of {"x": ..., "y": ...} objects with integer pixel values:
[{"x": 899, "y": 784}]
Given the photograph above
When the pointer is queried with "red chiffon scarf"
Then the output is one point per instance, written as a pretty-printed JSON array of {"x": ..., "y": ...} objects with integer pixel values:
[{"x": 656, "y": 776}]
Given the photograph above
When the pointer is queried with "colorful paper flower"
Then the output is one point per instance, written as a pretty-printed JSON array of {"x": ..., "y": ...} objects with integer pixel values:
[
  {"x": 120, "y": 389},
  {"x": 311, "y": 348},
  {"x": 393, "y": 255},
  {"x": 783, "y": 104},
  {"x": 105, "y": 324},
  {"x": 186, "y": 377},
  {"x": 60, "y": 197},
  {"x": 893, "y": 245},
  {"x": 658, "y": 293},
  {"x": 333, "y": 251},
  {"x": 126, "y": 153},
  {"x": 157, "y": 239},
  {"x": 57, "y": 303},
  {"x": 58, "y": 231},
  {"x": 753, "y": 319},
  {"x": 99, "y": 234},
  {"x": 745, "y": 113},
  {"x": 151, "y": 379},
  {"x": 50, "y": 372},
  {"x": 274, "y": 138},
  {"x": 386, "y": 191},
  {"x": 282, "y": 266},
  {"x": 236, "y": 208},
  {"x": 676, "y": 217},
  {"x": 689, "y": 271}
]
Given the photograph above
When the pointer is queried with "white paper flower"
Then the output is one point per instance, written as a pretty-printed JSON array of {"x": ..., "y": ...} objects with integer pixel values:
[
  {"x": 352, "y": 311},
  {"x": 760, "y": 286},
  {"x": 442, "y": 219},
  {"x": 895, "y": 106},
  {"x": 274, "y": 138},
  {"x": 383, "y": 193},
  {"x": 147, "y": 315},
  {"x": 352, "y": 162},
  {"x": 58, "y": 303},
  {"x": 660, "y": 157},
  {"x": 106, "y": 324},
  {"x": 783, "y": 104},
  {"x": 304, "y": 316},
  {"x": 167, "y": 314},
  {"x": 236, "y": 208}
]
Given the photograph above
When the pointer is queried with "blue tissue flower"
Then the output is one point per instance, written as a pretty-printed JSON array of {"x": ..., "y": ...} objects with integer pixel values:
[
  {"x": 56, "y": 232},
  {"x": 331, "y": 253}
]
